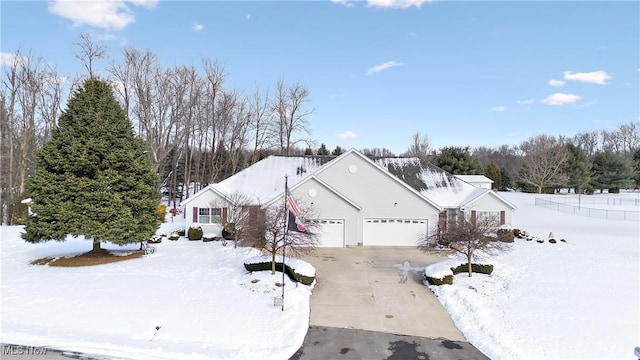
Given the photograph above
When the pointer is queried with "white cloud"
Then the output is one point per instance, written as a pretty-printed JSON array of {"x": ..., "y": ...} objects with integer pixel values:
[
  {"x": 342, "y": 2},
  {"x": 526, "y": 102},
  {"x": 347, "y": 135},
  {"x": 198, "y": 27},
  {"x": 499, "y": 108},
  {"x": 560, "y": 99},
  {"x": 398, "y": 4},
  {"x": 108, "y": 15},
  {"x": 554, "y": 82},
  {"x": 594, "y": 77},
  {"x": 382, "y": 67},
  {"x": 7, "y": 58}
]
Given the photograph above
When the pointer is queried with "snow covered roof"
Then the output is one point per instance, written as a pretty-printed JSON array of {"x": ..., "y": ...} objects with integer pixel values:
[
  {"x": 474, "y": 179},
  {"x": 431, "y": 181},
  {"x": 264, "y": 180}
]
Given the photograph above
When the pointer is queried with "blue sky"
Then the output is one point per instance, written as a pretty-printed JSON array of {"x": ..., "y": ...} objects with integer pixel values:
[{"x": 462, "y": 73}]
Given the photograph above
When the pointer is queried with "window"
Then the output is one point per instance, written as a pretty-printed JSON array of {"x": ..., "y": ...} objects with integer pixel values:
[
  {"x": 493, "y": 216},
  {"x": 209, "y": 215}
]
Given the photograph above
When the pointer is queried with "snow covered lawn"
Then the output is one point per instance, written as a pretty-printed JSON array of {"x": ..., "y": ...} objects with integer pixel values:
[
  {"x": 200, "y": 296},
  {"x": 574, "y": 300}
]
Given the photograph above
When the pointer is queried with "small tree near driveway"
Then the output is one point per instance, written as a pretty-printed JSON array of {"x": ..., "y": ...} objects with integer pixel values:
[
  {"x": 269, "y": 233},
  {"x": 468, "y": 237}
]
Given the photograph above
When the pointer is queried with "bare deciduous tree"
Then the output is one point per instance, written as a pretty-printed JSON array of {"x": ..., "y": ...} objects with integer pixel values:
[
  {"x": 543, "y": 162},
  {"x": 89, "y": 52},
  {"x": 269, "y": 233},
  {"x": 259, "y": 125},
  {"x": 289, "y": 109},
  {"x": 468, "y": 237},
  {"x": 420, "y": 147}
]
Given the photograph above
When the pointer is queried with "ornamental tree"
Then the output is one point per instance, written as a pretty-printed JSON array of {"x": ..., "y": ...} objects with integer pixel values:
[{"x": 93, "y": 178}]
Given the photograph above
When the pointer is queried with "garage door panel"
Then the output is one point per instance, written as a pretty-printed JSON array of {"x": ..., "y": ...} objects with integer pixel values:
[
  {"x": 331, "y": 233},
  {"x": 393, "y": 232}
]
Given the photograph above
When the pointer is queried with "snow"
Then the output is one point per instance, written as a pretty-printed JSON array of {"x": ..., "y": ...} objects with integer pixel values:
[
  {"x": 577, "y": 299},
  {"x": 264, "y": 181},
  {"x": 204, "y": 302},
  {"x": 441, "y": 269},
  {"x": 570, "y": 300}
]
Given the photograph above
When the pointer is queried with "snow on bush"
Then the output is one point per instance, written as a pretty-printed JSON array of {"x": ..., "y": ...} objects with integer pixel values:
[{"x": 300, "y": 266}]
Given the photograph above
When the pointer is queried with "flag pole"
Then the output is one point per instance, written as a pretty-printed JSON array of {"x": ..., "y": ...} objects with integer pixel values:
[{"x": 286, "y": 231}]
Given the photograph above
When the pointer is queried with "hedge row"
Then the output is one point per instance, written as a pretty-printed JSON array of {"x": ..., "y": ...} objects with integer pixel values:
[
  {"x": 291, "y": 272},
  {"x": 462, "y": 268},
  {"x": 486, "y": 269}
]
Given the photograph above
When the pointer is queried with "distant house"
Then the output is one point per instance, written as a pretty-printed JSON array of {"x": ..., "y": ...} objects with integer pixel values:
[
  {"x": 360, "y": 201},
  {"x": 480, "y": 181}
]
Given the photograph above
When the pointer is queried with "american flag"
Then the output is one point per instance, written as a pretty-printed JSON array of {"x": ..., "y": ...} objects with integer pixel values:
[{"x": 293, "y": 222}]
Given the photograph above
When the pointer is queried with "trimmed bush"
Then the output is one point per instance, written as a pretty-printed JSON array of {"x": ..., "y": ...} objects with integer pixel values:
[
  {"x": 505, "y": 235},
  {"x": 614, "y": 190},
  {"x": 476, "y": 268},
  {"x": 194, "y": 233},
  {"x": 181, "y": 232},
  {"x": 174, "y": 236},
  {"x": 293, "y": 275},
  {"x": 156, "y": 239},
  {"x": 447, "y": 280},
  {"x": 209, "y": 238}
]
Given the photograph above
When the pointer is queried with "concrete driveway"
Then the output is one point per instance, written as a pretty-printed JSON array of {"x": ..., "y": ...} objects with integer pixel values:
[{"x": 378, "y": 289}]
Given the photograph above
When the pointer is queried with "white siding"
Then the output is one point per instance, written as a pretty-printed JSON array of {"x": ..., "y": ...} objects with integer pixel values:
[{"x": 379, "y": 194}]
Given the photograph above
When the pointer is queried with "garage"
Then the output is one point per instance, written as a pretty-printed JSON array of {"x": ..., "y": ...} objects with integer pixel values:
[
  {"x": 393, "y": 232},
  {"x": 331, "y": 233}
]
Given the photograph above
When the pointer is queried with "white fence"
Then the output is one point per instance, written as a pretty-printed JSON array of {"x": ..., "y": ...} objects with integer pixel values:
[{"x": 563, "y": 204}]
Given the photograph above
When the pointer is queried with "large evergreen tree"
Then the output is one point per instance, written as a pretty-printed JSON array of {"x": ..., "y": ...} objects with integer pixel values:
[
  {"x": 636, "y": 165},
  {"x": 612, "y": 171},
  {"x": 577, "y": 168},
  {"x": 458, "y": 161},
  {"x": 93, "y": 178},
  {"x": 493, "y": 172}
]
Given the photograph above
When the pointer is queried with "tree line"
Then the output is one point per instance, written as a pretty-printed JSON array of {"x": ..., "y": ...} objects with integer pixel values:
[
  {"x": 586, "y": 162},
  {"x": 197, "y": 130}
]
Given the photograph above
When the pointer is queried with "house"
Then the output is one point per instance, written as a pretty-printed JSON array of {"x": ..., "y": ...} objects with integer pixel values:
[
  {"x": 480, "y": 181},
  {"x": 359, "y": 201}
]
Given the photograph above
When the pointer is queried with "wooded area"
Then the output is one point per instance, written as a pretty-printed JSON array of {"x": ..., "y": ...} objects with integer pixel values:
[{"x": 198, "y": 131}]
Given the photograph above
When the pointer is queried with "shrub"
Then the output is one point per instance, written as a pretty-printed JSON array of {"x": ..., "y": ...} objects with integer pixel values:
[
  {"x": 208, "y": 238},
  {"x": 161, "y": 213},
  {"x": 155, "y": 239},
  {"x": 293, "y": 275},
  {"x": 229, "y": 231},
  {"x": 520, "y": 234},
  {"x": 194, "y": 233},
  {"x": 505, "y": 235},
  {"x": 614, "y": 190},
  {"x": 447, "y": 280},
  {"x": 174, "y": 236},
  {"x": 476, "y": 268},
  {"x": 181, "y": 232},
  {"x": 589, "y": 190}
]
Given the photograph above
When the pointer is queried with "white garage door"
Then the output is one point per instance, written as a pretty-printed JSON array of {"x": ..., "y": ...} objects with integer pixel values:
[
  {"x": 393, "y": 232},
  {"x": 331, "y": 233}
]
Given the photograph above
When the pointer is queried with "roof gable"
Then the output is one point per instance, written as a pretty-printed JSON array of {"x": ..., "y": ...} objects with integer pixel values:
[
  {"x": 263, "y": 181},
  {"x": 383, "y": 170}
]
